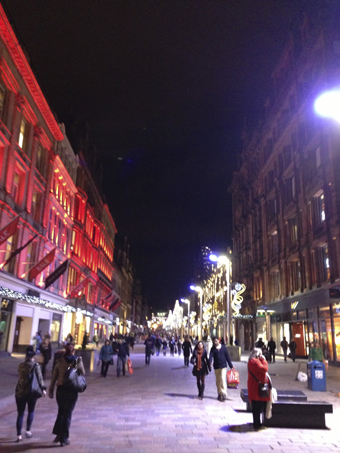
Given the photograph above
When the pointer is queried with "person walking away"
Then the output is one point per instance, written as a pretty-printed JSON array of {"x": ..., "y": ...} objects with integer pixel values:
[
  {"x": 23, "y": 389},
  {"x": 259, "y": 343},
  {"x": 85, "y": 341},
  {"x": 46, "y": 351},
  {"x": 284, "y": 346},
  {"x": 220, "y": 356},
  {"x": 187, "y": 350},
  {"x": 95, "y": 339},
  {"x": 201, "y": 367},
  {"x": 179, "y": 346},
  {"x": 316, "y": 352},
  {"x": 165, "y": 346},
  {"x": 66, "y": 397},
  {"x": 105, "y": 356},
  {"x": 172, "y": 346},
  {"x": 158, "y": 345},
  {"x": 122, "y": 353},
  {"x": 272, "y": 347},
  {"x": 148, "y": 349},
  {"x": 292, "y": 347},
  {"x": 257, "y": 371}
]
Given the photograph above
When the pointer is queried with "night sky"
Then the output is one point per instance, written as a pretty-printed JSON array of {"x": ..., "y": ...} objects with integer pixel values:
[{"x": 166, "y": 88}]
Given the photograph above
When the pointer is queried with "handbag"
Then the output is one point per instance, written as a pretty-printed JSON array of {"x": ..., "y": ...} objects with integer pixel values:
[
  {"x": 264, "y": 387},
  {"x": 35, "y": 390},
  {"x": 130, "y": 369},
  {"x": 74, "y": 380},
  {"x": 111, "y": 361},
  {"x": 233, "y": 379}
]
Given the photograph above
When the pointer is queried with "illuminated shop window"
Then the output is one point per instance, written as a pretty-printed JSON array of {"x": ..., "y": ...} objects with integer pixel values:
[{"x": 22, "y": 133}]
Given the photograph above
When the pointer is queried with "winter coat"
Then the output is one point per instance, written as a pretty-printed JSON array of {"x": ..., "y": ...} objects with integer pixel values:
[
  {"x": 148, "y": 345},
  {"x": 123, "y": 350},
  {"x": 259, "y": 368},
  {"x": 204, "y": 364},
  {"x": 220, "y": 357},
  {"x": 61, "y": 367},
  {"x": 24, "y": 384},
  {"x": 187, "y": 349},
  {"x": 106, "y": 353}
]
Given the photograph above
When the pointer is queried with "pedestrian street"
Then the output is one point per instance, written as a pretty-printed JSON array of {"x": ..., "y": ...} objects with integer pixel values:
[{"x": 157, "y": 410}]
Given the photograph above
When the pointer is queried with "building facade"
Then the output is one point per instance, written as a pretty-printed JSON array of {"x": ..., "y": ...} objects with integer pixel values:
[{"x": 286, "y": 200}]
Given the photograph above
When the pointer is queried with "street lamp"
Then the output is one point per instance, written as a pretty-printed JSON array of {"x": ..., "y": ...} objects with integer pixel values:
[
  {"x": 199, "y": 290},
  {"x": 328, "y": 104},
  {"x": 223, "y": 260},
  {"x": 187, "y": 301}
]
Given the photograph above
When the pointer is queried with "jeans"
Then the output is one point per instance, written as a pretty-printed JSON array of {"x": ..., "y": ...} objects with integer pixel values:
[
  {"x": 105, "y": 367},
  {"x": 147, "y": 358},
  {"x": 221, "y": 381},
  {"x": 258, "y": 407},
  {"x": 121, "y": 365},
  {"x": 21, "y": 405},
  {"x": 272, "y": 356},
  {"x": 66, "y": 400}
]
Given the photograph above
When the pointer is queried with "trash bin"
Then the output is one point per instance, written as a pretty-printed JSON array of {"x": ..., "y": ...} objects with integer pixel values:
[{"x": 316, "y": 372}]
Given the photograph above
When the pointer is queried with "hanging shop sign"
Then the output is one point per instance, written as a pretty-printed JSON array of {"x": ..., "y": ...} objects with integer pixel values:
[
  {"x": 39, "y": 267},
  {"x": 56, "y": 274},
  {"x": 9, "y": 229},
  {"x": 78, "y": 288}
]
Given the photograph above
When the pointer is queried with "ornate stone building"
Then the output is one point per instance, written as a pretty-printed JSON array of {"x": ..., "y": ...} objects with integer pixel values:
[{"x": 286, "y": 199}]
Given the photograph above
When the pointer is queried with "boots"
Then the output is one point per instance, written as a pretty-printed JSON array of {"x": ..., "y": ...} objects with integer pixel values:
[
  {"x": 199, "y": 390},
  {"x": 202, "y": 390}
]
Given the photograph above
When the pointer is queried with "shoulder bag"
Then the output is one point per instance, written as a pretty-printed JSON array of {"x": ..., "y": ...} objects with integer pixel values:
[
  {"x": 264, "y": 388},
  {"x": 74, "y": 380},
  {"x": 35, "y": 390}
]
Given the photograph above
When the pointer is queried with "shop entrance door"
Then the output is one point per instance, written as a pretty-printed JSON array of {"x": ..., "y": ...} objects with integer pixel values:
[
  {"x": 326, "y": 338},
  {"x": 298, "y": 337},
  {"x": 18, "y": 322}
]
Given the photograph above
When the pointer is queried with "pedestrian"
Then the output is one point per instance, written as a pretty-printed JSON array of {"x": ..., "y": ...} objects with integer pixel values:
[
  {"x": 220, "y": 356},
  {"x": 257, "y": 372},
  {"x": 316, "y": 352},
  {"x": 158, "y": 345},
  {"x": 37, "y": 341},
  {"x": 69, "y": 339},
  {"x": 172, "y": 346},
  {"x": 292, "y": 348},
  {"x": 95, "y": 339},
  {"x": 66, "y": 397},
  {"x": 284, "y": 346},
  {"x": 187, "y": 350},
  {"x": 165, "y": 346},
  {"x": 201, "y": 367},
  {"x": 122, "y": 353},
  {"x": 85, "y": 341},
  {"x": 209, "y": 344},
  {"x": 272, "y": 347},
  {"x": 259, "y": 343},
  {"x": 23, "y": 389},
  {"x": 105, "y": 356},
  {"x": 148, "y": 349},
  {"x": 179, "y": 346},
  {"x": 46, "y": 351}
]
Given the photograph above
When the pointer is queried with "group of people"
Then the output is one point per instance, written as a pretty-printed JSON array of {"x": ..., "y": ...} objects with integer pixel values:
[
  {"x": 108, "y": 350},
  {"x": 66, "y": 397},
  {"x": 269, "y": 350}
]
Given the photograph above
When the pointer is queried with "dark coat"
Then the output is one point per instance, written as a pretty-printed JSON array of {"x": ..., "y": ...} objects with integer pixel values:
[
  {"x": 24, "y": 384},
  {"x": 204, "y": 362}
]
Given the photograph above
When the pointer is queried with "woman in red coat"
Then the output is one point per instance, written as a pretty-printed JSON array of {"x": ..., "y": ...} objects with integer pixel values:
[{"x": 258, "y": 366}]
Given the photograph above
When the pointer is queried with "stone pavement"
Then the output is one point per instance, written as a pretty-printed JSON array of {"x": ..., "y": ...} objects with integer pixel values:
[{"x": 156, "y": 410}]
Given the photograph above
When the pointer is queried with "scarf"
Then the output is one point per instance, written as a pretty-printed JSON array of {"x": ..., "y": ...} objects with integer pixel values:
[{"x": 199, "y": 359}]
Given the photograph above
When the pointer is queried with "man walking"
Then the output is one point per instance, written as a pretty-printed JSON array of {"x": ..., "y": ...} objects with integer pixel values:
[
  {"x": 292, "y": 347},
  {"x": 187, "y": 350},
  {"x": 148, "y": 349},
  {"x": 284, "y": 346},
  {"x": 220, "y": 356},
  {"x": 272, "y": 347}
]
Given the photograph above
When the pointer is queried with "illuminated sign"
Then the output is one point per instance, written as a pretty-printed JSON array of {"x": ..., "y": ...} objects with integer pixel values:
[{"x": 293, "y": 305}]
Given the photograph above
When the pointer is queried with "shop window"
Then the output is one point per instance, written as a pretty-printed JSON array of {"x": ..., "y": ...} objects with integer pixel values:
[
  {"x": 23, "y": 134},
  {"x": 41, "y": 162},
  {"x": 318, "y": 207}
]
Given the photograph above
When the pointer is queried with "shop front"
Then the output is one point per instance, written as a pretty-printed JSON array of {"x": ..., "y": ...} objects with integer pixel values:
[{"x": 306, "y": 319}]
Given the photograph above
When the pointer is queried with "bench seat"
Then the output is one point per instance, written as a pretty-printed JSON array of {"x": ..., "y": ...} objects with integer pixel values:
[{"x": 282, "y": 395}]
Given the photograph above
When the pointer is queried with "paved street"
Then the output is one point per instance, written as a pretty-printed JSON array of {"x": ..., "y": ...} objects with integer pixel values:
[{"x": 157, "y": 410}]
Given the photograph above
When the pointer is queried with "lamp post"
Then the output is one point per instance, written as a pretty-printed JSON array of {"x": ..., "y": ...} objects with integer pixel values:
[
  {"x": 187, "y": 301},
  {"x": 199, "y": 290},
  {"x": 223, "y": 260}
]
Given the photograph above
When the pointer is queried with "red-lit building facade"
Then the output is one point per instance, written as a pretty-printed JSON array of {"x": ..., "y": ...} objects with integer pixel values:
[
  {"x": 286, "y": 200},
  {"x": 61, "y": 219}
]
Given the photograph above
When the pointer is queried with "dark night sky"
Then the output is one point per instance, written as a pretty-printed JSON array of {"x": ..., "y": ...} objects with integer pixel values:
[{"x": 166, "y": 85}]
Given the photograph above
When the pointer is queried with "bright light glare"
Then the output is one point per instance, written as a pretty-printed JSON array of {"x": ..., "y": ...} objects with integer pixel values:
[
  {"x": 195, "y": 288},
  {"x": 185, "y": 300},
  {"x": 219, "y": 259},
  {"x": 328, "y": 105},
  {"x": 213, "y": 258}
]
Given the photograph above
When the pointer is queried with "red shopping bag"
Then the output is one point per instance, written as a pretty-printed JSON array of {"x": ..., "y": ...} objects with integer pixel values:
[
  {"x": 233, "y": 379},
  {"x": 130, "y": 369}
]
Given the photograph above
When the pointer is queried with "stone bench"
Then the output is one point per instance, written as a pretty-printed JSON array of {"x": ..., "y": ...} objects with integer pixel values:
[{"x": 282, "y": 395}]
